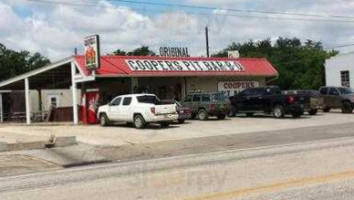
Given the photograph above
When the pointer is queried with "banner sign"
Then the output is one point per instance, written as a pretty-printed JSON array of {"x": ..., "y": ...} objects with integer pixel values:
[
  {"x": 184, "y": 66},
  {"x": 174, "y": 52},
  {"x": 234, "y": 87},
  {"x": 92, "y": 52}
]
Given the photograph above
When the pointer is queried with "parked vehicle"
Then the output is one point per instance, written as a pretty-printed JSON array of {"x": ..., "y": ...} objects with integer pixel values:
[
  {"x": 139, "y": 109},
  {"x": 267, "y": 100},
  {"x": 314, "y": 100},
  {"x": 205, "y": 105},
  {"x": 183, "y": 112},
  {"x": 338, "y": 97}
]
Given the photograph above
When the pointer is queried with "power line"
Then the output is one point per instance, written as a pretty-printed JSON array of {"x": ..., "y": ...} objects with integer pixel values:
[
  {"x": 209, "y": 14},
  {"x": 231, "y": 9}
]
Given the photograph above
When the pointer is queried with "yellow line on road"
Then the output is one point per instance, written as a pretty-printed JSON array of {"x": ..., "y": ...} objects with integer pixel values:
[{"x": 275, "y": 187}]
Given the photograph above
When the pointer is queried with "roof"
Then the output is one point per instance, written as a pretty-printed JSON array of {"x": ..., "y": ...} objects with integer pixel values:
[
  {"x": 59, "y": 71},
  {"x": 141, "y": 66}
]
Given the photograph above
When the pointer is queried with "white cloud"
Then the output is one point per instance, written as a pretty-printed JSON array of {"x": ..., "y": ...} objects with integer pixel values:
[{"x": 55, "y": 30}]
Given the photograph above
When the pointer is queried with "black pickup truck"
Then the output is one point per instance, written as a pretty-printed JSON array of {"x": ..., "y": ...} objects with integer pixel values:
[{"x": 267, "y": 100}]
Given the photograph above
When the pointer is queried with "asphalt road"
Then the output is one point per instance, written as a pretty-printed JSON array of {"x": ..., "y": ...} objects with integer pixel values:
[{"x": 310, "y": 170}]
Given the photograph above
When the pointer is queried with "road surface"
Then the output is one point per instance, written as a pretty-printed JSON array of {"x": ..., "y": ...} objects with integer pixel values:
[{"x": 310, "y": 170}]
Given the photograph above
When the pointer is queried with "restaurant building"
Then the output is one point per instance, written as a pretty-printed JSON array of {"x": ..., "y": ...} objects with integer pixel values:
[{"x": 81, "y": 89}]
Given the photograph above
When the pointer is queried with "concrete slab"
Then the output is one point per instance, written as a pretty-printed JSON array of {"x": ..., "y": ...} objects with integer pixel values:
[
  {"x": 3, "y": 146},
  {"x": 76, "y": 155},
  {"x": 65, "y": 141}
]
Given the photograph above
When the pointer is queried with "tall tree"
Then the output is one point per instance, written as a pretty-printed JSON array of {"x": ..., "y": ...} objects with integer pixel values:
[
  {"x": 300, "y": 65},
  {"x": 141, "y": 51},
  {"x": 13, "y": 63}
]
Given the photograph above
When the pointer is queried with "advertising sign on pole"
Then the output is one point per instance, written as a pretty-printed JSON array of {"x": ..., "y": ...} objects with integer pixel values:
[{"x": 92, "y": 52}]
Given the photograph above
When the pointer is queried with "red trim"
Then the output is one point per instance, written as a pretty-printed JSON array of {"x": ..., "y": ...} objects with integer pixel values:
[{"x": 115, "y": 66}]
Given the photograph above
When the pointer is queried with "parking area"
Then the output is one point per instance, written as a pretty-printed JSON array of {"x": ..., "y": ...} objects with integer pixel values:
[{"x": 121, "y": 134}]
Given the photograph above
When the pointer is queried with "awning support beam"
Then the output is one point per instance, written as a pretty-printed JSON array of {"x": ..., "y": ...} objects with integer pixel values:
[
  {"x": 27, "y": 96},
  {"x": 74, "y": 94}
]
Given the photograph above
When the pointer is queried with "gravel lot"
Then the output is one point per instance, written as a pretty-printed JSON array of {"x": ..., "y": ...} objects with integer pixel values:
[{"x": 121, "y": 134}]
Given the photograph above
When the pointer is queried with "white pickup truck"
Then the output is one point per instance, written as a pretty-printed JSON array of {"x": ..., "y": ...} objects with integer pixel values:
[{"x": 138, "y": 109}]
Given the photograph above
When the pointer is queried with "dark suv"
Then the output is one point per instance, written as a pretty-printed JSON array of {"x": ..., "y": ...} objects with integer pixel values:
[
  {"x": 338, "y": 97},
  {"x": 204, "y": 105}
]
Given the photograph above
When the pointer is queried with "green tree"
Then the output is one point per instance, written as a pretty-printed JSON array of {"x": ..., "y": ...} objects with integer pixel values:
[
  {"x": 300, "y": 65},
  {"x": 14, "y": 63},
  {"x": 141, "y": 51}
]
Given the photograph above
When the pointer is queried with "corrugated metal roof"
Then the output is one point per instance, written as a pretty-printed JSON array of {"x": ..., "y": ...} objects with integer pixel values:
[{"x": 118, "y": 66}]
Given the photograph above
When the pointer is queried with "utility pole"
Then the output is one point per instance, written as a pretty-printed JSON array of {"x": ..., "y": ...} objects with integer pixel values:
[{"x": 207, "y": 40}]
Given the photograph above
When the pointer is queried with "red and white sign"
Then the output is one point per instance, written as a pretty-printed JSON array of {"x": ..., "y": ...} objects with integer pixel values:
[
  {"x": 92, "y": 52},
  {"x": 234, "y": 87},
  {"x": 184, "y": 65}
]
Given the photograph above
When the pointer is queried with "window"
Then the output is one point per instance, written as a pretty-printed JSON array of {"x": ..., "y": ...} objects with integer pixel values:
[
  {"x": 116, "y": 102},
  {"x": 149, "y": 100},
  {"x": 54, "y": 102},
  {"x": 197, "y": 97},
  {"x": 333, "y": 91},
  {"x": 345, "y": 78},
  {"x": 219, "y": 97},
  {"x": 324, "y": 91},
  {"x": 206, "y": 97},
  {"x": 188, "y": 98},
  {"x": 346, "y": 90},
  {"x": 127, "y": 101}
]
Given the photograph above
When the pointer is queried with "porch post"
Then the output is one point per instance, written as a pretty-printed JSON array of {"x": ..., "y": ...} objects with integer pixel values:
[
  {"x": 1, "y": 109},
  {"x": 27, "y": 96},
  {"x": 74, "y": 94}
]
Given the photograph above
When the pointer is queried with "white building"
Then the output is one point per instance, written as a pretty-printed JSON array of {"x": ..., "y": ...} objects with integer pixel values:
[{"x": 340, "y": 70}]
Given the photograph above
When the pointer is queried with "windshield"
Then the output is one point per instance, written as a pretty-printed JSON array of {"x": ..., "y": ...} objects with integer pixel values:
[
  {"x": 219, "y": 97},
  {"x": 149, "y": 99},
  {"x": 346, "y": 90}
]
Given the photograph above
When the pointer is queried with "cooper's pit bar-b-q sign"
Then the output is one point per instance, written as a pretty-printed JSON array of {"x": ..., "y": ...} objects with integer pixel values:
[{"x": 183, "y": 65}]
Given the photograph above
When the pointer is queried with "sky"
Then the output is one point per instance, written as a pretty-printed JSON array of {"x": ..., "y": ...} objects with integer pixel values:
[{"x": 56, "y": 28}]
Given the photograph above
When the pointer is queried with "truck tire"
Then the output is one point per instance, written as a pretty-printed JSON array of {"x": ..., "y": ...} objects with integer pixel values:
[
  {"x": 165, "y": 125},
  {"x": 249, "y": 114},
  {"x": 139, "y": 122},
  {"x": 326, "y": 109},
  {"x": 104, "y": 121},
  {"x": 347, "y": 107},
  {"x": 278, "y": 111},
  {"x": 181, "y": 121},
  {"x": 296, "y": 114},
  {"x": 313, "y": 112},
  {"x": 221, "y": 117},
  {"x": 202, "y": 115}
]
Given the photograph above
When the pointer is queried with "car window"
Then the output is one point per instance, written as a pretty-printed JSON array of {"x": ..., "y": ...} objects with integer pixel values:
[
  {"x": 205, "y": 97},
  {"x": 324, "y": 91},
  {"x": 188, "y": 98},
  {"x": 219, "y": 97},
  {"x": 197, "y": 97},
  {"x": 247, "y": 92},
  {"x": 127, "y": 101},
  {"x": 149, "y": 99},
  {"x": 333, "y": 91},
  {"x": 346, "y": 90},
  {"x": 116, "y": 102}
]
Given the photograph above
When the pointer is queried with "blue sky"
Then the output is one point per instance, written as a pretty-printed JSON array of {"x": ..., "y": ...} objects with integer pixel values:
[{"x": 55, "y": 29}]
